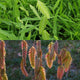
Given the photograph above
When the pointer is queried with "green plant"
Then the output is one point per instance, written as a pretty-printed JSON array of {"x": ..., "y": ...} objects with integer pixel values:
[
  {"x": 35, "y": 58},
  {"x": 3, "y": 75},
  {"x": 39, "y": 19}
]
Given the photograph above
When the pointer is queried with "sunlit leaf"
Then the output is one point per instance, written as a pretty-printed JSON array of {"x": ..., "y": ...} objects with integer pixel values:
[
  {"x": 32, "y": 55},
  {"x": 23, "y": 68},
  {"x": 60, "y": 72},
  {"x": 24, "y": 47}
]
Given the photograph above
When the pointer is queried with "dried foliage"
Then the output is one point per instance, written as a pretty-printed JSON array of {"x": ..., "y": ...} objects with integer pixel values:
[
  {"x": 3, "y": 75},
  {"x": 35, "y": 58},
  {"x": 24, "y": 47},
  {"x": 32, "y": 55}
]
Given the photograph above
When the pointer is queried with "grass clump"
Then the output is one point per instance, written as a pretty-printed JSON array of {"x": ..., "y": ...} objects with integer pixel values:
[{"x": 39, "y": 19}]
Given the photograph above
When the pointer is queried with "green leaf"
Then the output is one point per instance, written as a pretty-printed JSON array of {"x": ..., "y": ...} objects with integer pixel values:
[
  {"x": 35, "y": 11},
  {"x": 56, "y": 4},
  {"x": 45, "y": 35},
  {"x": 42, "y": 24},
  {"x": 27, "y": 13},
  {"x": 28, "y": 37},
  {"x": 8, "y": 35},
  {"x": 3, "y": 6},
  {"x": 43, "y": 9}
]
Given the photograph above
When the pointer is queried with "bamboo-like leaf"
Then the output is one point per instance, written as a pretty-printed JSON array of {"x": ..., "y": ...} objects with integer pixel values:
[
  {"x": 43, "y": 9},
  {"x": 23, "y": 68},
  {"x": 35, "y": 11},
  {"x": 32, "y": 55}
]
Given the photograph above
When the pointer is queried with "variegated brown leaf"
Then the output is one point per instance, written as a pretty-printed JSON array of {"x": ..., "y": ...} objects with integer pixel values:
[
  {"x": 39, "y": 51},
  {"x": 41, "y": 74},
  {"x": 2, "y": 54},
  {"x": 48, "y": 60},
  {"x": 32, "y": 55},
  {"x": 67, "y": 64},
  {"x": 50, "y": 47},
  {"x": 24, "y": 47},
  {"x": 60, "y": 72},
  {"x": 23, "y": 68},
  {"x": 56, "y": 47}
]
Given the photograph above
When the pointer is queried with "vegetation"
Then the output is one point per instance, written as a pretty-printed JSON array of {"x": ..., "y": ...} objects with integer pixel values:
[
  {"x": 35, "y": 60},
  {"x": 3, "y": 75},
  {"x": 39, "y": 19},
  {"x": 35, "y": 57}
]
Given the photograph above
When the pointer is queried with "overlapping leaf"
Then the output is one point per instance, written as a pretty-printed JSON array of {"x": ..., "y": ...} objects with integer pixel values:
[
  {"x": 51, "y": 55},
  {"x": 32, "y": 55},
  {"x": 43, "y": 9},
  {"x": 24, "y": 47},
  {"x": 23, "y": 68},
  {"x": 60, "y": 72}
]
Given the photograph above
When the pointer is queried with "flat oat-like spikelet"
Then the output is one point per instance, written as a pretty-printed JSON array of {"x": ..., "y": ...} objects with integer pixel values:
[
  {"x": 24, "y": 47},
  {"x": 51, "y": 55},
  {"x": 60, "y": 72},
  {"x": 43, "y": 9},
  {"x": 3, "y": 75},
  {"x": 2, "y": 54},
  {"x": 23, "y": 68},
  {"x": 32, "y": 55},
  {"x": 48, "y": 60},
  {"x": 66, "y": 59},
  {"x": 41, "y": 74},
  {"x": 67, "y": 64}
]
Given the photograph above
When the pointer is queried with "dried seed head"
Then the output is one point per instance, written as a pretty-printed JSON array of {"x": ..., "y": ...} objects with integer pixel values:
[
  {"x": 63, "y": 53},
  {"x": 3, "y": 75},
  {"x": 24, "y": 44},
  {"x": 2, "y": 54},
  {"x": 32, "y": 55},
  {"x": 41, "y": 75},
  {"x": 39, "y": 51},
  {"x": 50, "y": 47},
  {"x": 0, "y": 78},
  {"x": 24, "y": 47},
  {"x": 51, "y": 55},
  {"x": 48, "y": 60},
  {"x": 38, "y": 45},
  {"x": 23, "y": 68},
  {"x": 67, "y": 64},
  {"x": 56, "y": 47},
  {"x": 60, "y": 72}
]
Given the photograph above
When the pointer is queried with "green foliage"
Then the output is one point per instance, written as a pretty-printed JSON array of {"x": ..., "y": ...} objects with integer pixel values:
[
  {"x": 43, "y": 9},
  {"x": 21, "y": 19}
]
